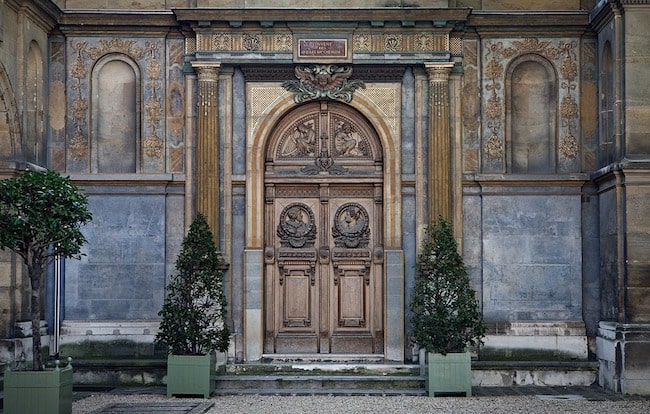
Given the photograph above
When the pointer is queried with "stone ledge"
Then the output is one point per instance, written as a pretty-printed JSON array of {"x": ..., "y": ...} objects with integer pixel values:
[
  {"x": 535, "y": 347},
  {"x": 88, "y": 329},
  {"x": 533, "y": 328}
]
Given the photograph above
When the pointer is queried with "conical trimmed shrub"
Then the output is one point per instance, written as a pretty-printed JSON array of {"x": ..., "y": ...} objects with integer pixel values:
[
  {"x": 446, "y": 315},
  {"x": 194, "y": 313}
]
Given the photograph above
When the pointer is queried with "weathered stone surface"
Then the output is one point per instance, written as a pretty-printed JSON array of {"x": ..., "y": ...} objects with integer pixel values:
[
  {"x": 122, "y": 275},
  {"x": 531, "y": 252}
]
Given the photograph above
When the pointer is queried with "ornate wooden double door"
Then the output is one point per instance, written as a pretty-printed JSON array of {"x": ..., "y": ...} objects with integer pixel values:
[{"x": 323, "y": 233}]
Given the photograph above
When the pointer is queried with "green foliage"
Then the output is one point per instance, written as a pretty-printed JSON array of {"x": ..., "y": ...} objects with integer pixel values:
[
  {"x": 41, "y": 215},
  {"x": 194, "y": 313},
  {"x": 446, "y": 316}
]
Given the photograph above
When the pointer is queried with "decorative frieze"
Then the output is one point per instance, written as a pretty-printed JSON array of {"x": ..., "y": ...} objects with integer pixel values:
[
  {"x": 283, "y": 42},
  {"x": 411, "y": 42}
]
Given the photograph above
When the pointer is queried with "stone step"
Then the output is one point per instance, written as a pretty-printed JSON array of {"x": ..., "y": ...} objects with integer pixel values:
[
  {"x": 391, "y": 379},
  {"x": 539, "y": 373},
  {"x": 318, "y": 378},
  {"x": 319, "y": 385},
  {"x": 317, "y": 368},
  {"x": 317, "y": 381},
  {"x": 420, "y": 392}
]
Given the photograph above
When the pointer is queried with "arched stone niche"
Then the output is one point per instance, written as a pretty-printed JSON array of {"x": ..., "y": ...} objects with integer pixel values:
[
  {"x": 531, "y": 85},
  {"x": 115, "y": 115}
]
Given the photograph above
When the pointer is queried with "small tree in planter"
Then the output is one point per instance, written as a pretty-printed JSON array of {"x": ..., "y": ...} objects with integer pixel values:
[
  {"x": 41, "y": 215},
  {"x": 193, "y": 316},
  {"x": 446, "y": 317}
]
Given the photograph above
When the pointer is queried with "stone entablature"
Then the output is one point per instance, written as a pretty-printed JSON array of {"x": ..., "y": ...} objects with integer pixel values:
[
  {"x": 410, "y": 35},
  {"x": 366, "y": 43}
]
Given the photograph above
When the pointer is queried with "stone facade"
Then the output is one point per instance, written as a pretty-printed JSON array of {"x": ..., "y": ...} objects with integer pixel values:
[{"x": 521, "y": 121}]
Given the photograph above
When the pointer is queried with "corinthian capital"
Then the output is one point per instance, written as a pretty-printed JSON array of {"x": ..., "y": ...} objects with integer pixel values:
[
  {"x": 207, "y": 71},
  {"x": 438, "y": 72}
]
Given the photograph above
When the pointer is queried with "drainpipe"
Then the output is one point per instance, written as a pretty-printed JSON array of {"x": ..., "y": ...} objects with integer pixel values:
[
  {"x": 618, "y": 80},
  {"x": 58, "y": 299}
]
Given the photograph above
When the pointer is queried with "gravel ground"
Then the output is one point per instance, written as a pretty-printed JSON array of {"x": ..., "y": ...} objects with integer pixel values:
[{"x": 393, "y": 405}]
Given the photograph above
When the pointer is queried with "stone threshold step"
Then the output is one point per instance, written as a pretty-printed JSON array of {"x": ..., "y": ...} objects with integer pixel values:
[
  {"x": 320, "y": 368},
  {"x": 323, "y": 391},
  {"x": 317, "y": 381},
  {"x": 313, "y": 377},
  {"x": 324, "y": 358}
]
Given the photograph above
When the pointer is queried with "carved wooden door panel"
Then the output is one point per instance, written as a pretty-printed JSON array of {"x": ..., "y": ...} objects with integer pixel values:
[
  {"x": 356, "y": 273},
  {"x": 323, "y": 231}
]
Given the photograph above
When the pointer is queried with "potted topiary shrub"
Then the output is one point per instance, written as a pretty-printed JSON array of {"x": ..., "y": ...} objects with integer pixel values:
[
  {"x": 193, "y": 317},
  {"x": 41, "y": 215},
  {"x": 446, "y": 317}
]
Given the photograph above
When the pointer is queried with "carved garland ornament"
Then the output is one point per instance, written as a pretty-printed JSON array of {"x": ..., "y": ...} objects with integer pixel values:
[
  {"x": 569, "y": 107},
  {"x": 153, "y": 145},
  {"x": 494, "y": 72},
  {"x": 79, "y": 142},
  {"x": 323, "y": 81}
]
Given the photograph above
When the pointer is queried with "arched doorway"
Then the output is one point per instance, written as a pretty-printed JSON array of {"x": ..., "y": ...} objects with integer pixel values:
[{"x": 323, "y": 259}]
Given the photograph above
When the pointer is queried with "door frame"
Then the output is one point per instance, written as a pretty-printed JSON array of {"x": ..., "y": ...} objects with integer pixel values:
[{"x": 261, "y": 123}]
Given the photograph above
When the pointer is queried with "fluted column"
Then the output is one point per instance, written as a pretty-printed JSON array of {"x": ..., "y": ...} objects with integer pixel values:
[
  {"x": 207, "y": 144},
  {"x": 439, "y": 175}
]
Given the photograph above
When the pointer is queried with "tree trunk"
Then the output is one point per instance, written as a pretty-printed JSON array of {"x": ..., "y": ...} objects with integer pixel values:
[{"x": 36, "y": 272}]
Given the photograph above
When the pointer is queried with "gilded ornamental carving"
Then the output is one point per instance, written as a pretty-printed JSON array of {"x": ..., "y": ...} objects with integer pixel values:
[
  {"x": 145, "y": 54},
  {"x": 499, "y": 54},
  {"x": 323, "y": 81}
]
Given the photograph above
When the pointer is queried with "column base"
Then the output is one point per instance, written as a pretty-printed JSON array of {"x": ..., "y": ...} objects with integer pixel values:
[{"x": 622, "y": 351}]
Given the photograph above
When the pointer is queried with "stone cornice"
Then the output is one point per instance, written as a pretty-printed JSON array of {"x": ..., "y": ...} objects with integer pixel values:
[
  {"x": 531, "y": 22},
  {"x": 331, "y": 16},
  {"x": 44, "y": 13},
  {"x": 136, "y": 182},
  {"x": 116, "y": 21},
  {"x": 634, "y": 2}
]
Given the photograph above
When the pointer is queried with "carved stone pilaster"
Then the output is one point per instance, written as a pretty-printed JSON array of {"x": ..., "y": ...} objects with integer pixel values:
[
  {"x": 207, "y": 144},
  {"x": 439, "y": 176}
]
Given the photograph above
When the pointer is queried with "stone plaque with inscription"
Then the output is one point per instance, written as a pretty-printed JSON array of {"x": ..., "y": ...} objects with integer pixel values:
[{"x": 314, "y": 50}]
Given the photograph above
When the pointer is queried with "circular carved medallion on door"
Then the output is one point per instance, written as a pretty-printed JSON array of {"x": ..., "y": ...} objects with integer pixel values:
[
  {"x": 297, "y": 227},
  {"x": 351, "y": 228}
]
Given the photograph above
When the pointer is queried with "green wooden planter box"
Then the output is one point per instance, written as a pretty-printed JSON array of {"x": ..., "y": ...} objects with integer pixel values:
[
  {"x": 38, "y": 392},
  {"x": 449, "y": 374},
  {"x": 191, "y": 374}
]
